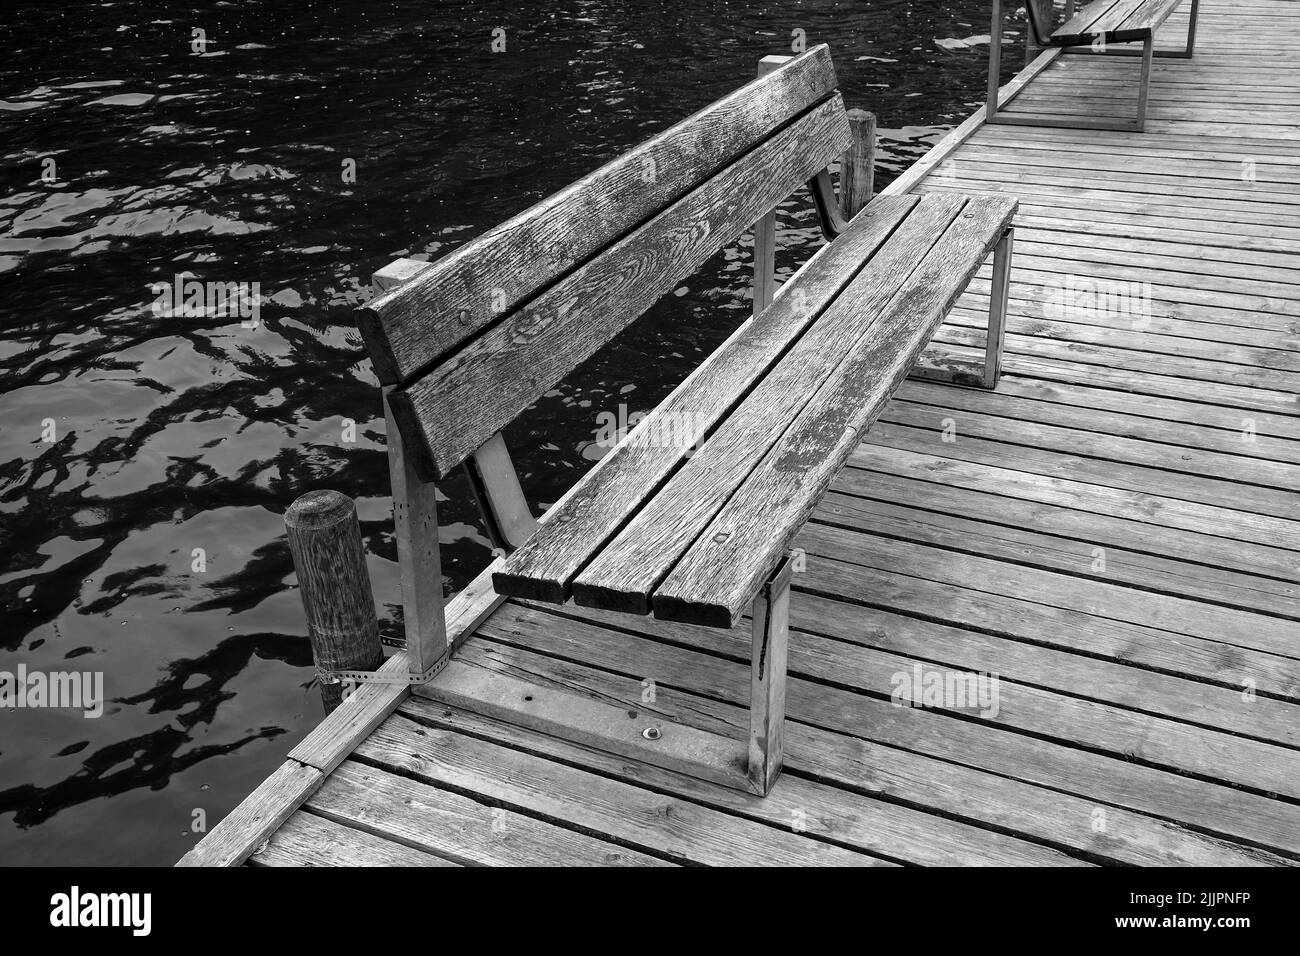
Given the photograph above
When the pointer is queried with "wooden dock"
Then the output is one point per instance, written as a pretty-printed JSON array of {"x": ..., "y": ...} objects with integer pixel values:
[{"x": 1114, "y": 533}]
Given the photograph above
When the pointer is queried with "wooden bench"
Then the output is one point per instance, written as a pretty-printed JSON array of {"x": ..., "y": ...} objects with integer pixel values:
[
  {"x": 695, "y": 531},
  {"x": 1097, "y": 28}
]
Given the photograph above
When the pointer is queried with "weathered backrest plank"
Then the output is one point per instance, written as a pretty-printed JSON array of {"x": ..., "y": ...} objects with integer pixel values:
[
  {"x": 482, "y": 386},
  {"x": 410, "y": 328}
]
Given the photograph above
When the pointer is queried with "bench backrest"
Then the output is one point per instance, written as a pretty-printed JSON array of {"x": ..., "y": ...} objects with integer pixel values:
[{"x": 481, "y": 334}]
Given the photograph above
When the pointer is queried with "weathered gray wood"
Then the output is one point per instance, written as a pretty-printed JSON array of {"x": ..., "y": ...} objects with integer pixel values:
[
  {"x": 676, "y": 828},
  {"x": 325, "y": 541},
  {"x": 260, "y": 814},
  {"x": 593, "y": 723},
  {"x": 622, "y": 576},
  {"x": 576, "y": 529},
  {"x": 699, "y": 660},
  {"x": 1149, "y": 13},
  {"x": 858, "y": 165},
  {"x": 827, "y": 811},
  {"x": 449, "y": 412},
  {"x": 464, "y": 293},
  {"x": 748, "y": 535},
  {"x": 308, "y": 840},
  {"x": 457, "y": 827},
  {"x": 501, "y": 500},
  {"x": 415, "y": 519}
]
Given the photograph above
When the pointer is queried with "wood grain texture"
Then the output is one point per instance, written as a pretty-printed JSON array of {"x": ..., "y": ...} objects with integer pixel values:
[
  {"x": 309, "y": 840},
  {"x": 843, "y": 816},
  {"x": 325, "y": 541},
  {"x": 678, "y": 829},
  {"x": 858, "y": 166},
  {"x": 576, "y": 529},
  {"x": 623, "y": 575},
  {"x": 448, "y": 413},
  {"x": 410, "y": 328},
  {"x": 260, "y": 814},
  {"x": 839, "y": 734},
  {"x": 329, "y": 559},
  {"x": 724, "y": 567},
  {"x": 459, "y": 828},
  {"x": 606, "y": 726}
]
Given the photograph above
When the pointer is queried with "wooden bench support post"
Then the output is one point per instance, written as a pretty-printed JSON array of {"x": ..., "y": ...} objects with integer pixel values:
[
  {"x": 495, "y": 482},
  {"x": 771, "y": 624},
  {"x": 415, "y": 524}
]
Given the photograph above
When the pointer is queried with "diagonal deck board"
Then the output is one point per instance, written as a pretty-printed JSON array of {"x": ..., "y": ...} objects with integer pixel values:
[{"x": 1114, "y": 532}]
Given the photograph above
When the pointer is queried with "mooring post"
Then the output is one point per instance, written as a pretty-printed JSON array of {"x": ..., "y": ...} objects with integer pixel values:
[
  {"x": 325, "y": 541},
  {"x": 858, "y": 165}
]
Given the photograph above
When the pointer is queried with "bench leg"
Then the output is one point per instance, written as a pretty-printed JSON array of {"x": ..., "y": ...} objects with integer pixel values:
[
  {"x": 1191, "y": 31},
  {"x": 998, "y": 308},
  {"x": 415, "y": 525},
  {"x": 1144, "y": 86},
  {"x": 771, "y": 624}
]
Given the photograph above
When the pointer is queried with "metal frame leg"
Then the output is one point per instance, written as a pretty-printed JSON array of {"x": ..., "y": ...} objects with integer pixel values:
[
  {"x": 771, "y": 627},
  {"x": 998, "y": 290},
  {"x": 1144, "y": 86},
  {"x": 995, "y": 62}
]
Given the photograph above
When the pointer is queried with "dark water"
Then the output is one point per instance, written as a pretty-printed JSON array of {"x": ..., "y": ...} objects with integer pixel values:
[{"x": 176, "y": 434}]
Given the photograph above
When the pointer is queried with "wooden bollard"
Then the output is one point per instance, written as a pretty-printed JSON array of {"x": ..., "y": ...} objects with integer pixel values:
[
  {"x": 858, "y": 166},
  {"x": 325, "y": 540}
]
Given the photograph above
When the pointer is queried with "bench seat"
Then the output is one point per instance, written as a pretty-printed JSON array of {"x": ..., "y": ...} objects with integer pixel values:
[
  {"x": 691, "y": 533},
  {"x": 1110, "y": 21}
]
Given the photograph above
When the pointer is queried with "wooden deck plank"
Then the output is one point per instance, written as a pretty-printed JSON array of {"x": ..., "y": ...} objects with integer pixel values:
[
  {"x": 456, "y": 827},
  {"x": 308, "y": 840},
  {"x": 667, "y": 825},
  {"x": 689, "y": 663},
  {"x": 854, "y": 765}
]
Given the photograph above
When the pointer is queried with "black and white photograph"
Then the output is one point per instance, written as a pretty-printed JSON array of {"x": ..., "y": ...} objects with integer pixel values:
[{"x": 651, "y": 433}]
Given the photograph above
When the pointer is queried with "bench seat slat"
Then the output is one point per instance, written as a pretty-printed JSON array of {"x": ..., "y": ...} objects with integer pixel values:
[
  {"x": 623, "y": 575},
  {"x": 412, "y": 327},
  {"x": 1086, "y": 18},
  {"x": 449, "y": 412},
  {"x": 545, "y": 566},
  {"x": 719, "y": 575},
  {"x": 1149, "y": 15}
]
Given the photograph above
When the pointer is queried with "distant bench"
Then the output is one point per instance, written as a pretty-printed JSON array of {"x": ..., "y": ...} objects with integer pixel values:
[
  {"x": 1098, "y": 26},
  {"x": 694, "y": 534}
]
